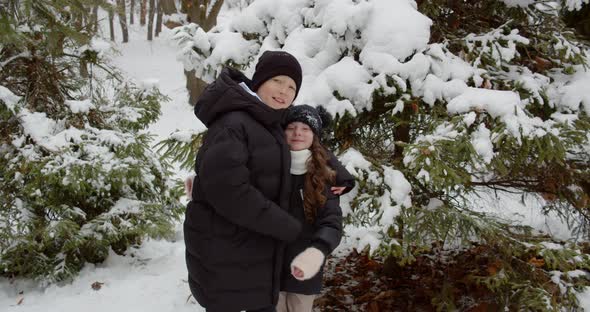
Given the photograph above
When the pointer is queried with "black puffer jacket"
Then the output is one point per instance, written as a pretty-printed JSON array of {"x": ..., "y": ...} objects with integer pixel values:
[
  {"x": 237, "y": 224},
  {"x": 324, "y": 234}
]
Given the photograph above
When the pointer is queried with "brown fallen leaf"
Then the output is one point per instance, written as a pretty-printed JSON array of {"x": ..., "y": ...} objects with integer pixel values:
[
  {"x": 480, "y": 307},
  {"x": 97, "y": 285},
  {"x": 385, "y": 294},
  {"x": 494, "y": 267},
  {"x": 373, "y": 307},
  {"x": 550, "y": 197},
  {"x": 537, "y": 262},
  {"x": 366, "y": 297},
  {"x": 414, "y": 107},
  {"x": 542, "y": 63},
  {"x": 341, "y": 292}
]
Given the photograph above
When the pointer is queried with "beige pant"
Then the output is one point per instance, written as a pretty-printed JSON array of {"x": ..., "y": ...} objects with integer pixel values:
[{"x": 290, "y": 302}]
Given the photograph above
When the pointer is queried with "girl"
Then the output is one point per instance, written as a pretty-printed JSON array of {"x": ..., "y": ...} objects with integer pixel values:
[{"x": 314, "y": 205}]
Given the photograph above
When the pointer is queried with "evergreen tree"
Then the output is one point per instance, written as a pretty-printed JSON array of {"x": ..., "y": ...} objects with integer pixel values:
[
  {"x": 78, "y": 176},
  {"x": 436, "y": 103},
  {"x": 577, "y": 15}
]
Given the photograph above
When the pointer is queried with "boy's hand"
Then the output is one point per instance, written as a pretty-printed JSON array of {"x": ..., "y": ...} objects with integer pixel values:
[
  {"x": 337, "y": 190},
  {"x": 188, "y": 186}
]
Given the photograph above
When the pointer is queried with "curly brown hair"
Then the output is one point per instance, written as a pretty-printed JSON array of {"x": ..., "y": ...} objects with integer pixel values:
[{"x": 319, "y": 175}]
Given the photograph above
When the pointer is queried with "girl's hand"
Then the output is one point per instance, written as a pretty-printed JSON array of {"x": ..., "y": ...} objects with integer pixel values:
[
  {"x": 297, "y": 273},
  {"x": 337, "y": 190},
  {"x": 307, "y": 264}
]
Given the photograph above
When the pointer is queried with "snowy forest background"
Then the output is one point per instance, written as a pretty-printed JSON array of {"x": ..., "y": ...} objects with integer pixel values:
[{"x": 466, "y": 124}]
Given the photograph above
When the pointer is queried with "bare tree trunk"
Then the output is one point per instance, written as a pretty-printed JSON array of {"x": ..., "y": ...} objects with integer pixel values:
[
  {"x": 83, "y": 68},
  {"x": 142, "y": 11},
  {"x": 193, "y": 13},
  {"x": 111, "y": 24},
  {"x": 123, "y": 19},
  {"x": 94, "y": 18},
  {"x": 212, "y": 17},
  {"x": 82, "y": 19},
  {"x": 194, "y": 85},
  {"x": 79, "y": 22},
  {"x": 196, "y": 12},
  {"x": 402, "y": 132},
  {"x": 131, "y": 12},
  {"x": 150, "y": 21},
  {"x": 168, "y": 6},
  {"x": 13, "y": 6},
  {"x": 159, "y": 18}
]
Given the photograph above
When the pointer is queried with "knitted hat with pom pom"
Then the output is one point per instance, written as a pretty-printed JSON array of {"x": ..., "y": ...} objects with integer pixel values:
[{"x": 316, "y": 118}]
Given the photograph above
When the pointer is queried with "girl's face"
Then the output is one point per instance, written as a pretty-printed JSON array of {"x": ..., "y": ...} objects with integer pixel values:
[
  {"x": 299, "y": 136},
  {"x": 278, "y": 92}
]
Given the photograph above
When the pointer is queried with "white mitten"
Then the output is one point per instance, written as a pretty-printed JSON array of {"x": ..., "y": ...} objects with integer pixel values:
[
  {"x": 309, "y": 262},
  {"x": 188, "y": 186}
]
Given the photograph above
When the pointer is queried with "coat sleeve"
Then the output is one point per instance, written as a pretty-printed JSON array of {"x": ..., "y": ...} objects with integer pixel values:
[
  {"x": 343, "y": 177},
  {"x": 328, "y": 226},
  {"x": 225, "y": 180}
]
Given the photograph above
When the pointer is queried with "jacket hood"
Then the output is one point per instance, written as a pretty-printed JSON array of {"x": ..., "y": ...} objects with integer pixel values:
[{"x": 225, "y": 95}]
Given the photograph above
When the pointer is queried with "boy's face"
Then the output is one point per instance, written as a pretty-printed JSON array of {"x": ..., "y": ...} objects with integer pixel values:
[{"x": 278, "y": 92}]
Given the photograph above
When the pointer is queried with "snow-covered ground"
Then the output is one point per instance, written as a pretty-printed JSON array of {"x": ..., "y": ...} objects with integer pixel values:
[{"x": 153, "y": 277}]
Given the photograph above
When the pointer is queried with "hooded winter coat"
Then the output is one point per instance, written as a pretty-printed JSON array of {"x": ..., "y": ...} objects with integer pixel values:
[{"x": 237, "y": 224}]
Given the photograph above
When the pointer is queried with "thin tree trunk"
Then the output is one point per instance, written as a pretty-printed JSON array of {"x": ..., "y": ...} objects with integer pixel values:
[
  {"x": 211, "y": 20},
  {"x": 159, "y": 18},
  {"x": 84, "y": 18},
  {"x": 94, "y": 18},
  {"x": 192, "y": 11},
  {"x": 12, "y": 6},
  {"x": 131, "y": 12},
  {"x": 150, "y": 21},
  {"x": 83, "y": 68},
  {"x": 80, "y": 22},
  {"x": 111, "y": 24},
  {"x": 142, "y": 12},
  {"x": 184, "y": 6},
  {"x": 123, "y": 19},
  {"x": 194, "y": 85},
  {"x": 168, "y": 6},
  {"x": 196, "y": 12},
  {"x": 77, "y": 20}
]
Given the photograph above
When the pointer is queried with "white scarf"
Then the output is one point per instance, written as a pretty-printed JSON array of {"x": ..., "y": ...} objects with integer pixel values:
[{"x": 299, "y": 161}]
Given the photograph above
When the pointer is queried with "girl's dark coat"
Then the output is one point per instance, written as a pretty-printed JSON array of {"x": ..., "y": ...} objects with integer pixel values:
[{"x": 324, "y": 234}]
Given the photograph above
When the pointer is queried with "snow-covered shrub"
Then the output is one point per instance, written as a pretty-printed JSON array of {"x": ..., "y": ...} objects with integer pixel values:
[{"x": 78, "y": 176}]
